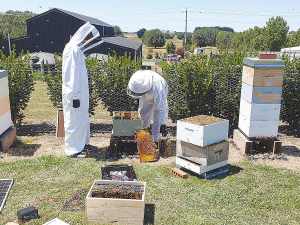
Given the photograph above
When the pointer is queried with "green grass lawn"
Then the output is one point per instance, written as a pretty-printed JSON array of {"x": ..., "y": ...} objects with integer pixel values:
[
  {"x": 40, "y": 107},
  {"x": 250, "y": 194}
]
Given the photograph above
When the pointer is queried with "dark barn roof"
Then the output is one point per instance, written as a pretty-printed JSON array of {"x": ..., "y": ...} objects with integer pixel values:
[
  {"x": 51, "y": 31},
  {"x": 76, "y": 15},
  {"x": 125, "y": 42}
]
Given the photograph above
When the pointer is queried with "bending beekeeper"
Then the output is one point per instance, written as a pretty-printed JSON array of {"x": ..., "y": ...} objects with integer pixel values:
[
  {"x": 152, "y": 91},
  {"x": 75, "y": 91}
]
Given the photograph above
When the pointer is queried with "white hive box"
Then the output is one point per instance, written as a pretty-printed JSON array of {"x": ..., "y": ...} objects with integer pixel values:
[
  {"x": 113, "y": 210},
  {"x": 5, "y": 114},
  {"x": 261, "y": 95},
  {"x": 263, "y": 112},
  {"x": 202, "y": 130},
  {"x": 125, "y": 123},
  {"x": 254, "y": 128},
  {"x": 197, "y": 168}
]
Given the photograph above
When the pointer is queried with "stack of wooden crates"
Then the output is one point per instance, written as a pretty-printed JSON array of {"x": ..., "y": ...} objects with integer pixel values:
[
  {"x": 201, "y": 144},
  {"x": 7, "y": 133},
  {"x": 260, "y": 102}
]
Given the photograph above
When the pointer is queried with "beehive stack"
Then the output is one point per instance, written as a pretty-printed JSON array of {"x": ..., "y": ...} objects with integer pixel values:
[
  {"x": 201, "y": 144},
  {"x": 261, "y": 97},
  {"x": 7, "y": 134}
]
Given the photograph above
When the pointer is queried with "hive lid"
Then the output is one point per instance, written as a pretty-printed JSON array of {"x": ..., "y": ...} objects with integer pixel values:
[{"x": 257, "y": 63}]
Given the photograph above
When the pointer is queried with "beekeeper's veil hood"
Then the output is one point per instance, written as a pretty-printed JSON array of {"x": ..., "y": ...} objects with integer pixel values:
[
  {"x": 86, "y": 37},
  {"x": 140, "y": 83}
]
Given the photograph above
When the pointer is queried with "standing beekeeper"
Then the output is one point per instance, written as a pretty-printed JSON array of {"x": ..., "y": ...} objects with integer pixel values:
[
  {"x": 152, "y": 91},
  {"x": 75, "y": 91}
]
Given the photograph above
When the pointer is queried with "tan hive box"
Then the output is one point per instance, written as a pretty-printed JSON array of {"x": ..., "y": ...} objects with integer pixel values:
[{"x": 113, "y": 210}]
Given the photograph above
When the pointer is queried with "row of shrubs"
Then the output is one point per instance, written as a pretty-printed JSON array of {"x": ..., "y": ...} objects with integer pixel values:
[
  {"x": 198, "y": 85},
  {"x": 203, "y": 85}
]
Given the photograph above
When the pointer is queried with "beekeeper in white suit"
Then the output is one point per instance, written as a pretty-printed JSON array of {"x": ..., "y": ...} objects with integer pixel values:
[
  {"x": 152, "y": 91},
  {"x": 75, "y": 91}
]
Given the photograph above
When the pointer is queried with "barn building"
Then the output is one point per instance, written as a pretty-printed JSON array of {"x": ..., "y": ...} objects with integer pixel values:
[{"x": 51, "y": 31}]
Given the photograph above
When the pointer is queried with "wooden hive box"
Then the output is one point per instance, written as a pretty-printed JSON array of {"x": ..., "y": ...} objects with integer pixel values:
[
  {"x": 125, "y": 123},
  {"x": 205, "y": 156},
  {"x": 262, "y": 77},
  {"x": 202, "y": 130},
  {"x": 112, "y": 210},
  {"x": 5, "y": 114}
]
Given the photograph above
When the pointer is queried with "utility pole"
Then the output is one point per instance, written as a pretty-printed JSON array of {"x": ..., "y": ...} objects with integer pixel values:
[
  {"x": 185, "y": 30},
  {"x": 9, "y": 46}
]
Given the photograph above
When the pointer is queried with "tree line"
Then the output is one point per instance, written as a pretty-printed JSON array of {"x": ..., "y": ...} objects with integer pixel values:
[
  {"x": 13, "y": 23},
  {"x": 272, "y": 37}
]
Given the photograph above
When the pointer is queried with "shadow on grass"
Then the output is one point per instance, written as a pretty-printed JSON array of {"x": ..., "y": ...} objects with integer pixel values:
[
  {"x": 101, "y": 128},
  {"x": 291, "y": 151},
  {"x": 49, "y": 128},
  {"x": 149, "y": 214},
  {"x": 289, "y": 130},
  {"x": 36, "y": 129},
  {"x": 232, "y": 171},
  {"x": 22, "y": 149}
]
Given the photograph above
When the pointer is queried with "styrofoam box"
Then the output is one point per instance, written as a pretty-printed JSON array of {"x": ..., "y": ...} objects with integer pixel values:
[
  {"x": 254, "y": 128},
  {"x": 264, "y": 112},
  {"x": 126, "y": 127},
  {"x": 261, "y": 95},
  {"x": 197, "y": 168},
  {"x": 202, "y": 135}
]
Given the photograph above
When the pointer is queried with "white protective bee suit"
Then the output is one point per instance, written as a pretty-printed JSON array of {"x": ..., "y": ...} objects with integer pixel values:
[
  {"x": 75, "y": 87},
  {"x": 152, "y": 91}
]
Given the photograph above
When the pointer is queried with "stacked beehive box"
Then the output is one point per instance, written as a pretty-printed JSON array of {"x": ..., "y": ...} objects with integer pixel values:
[
  {"x": 261, "y": 97},
  {"x": 201, "y": 144},
  {"x": 7, "y": 134}
]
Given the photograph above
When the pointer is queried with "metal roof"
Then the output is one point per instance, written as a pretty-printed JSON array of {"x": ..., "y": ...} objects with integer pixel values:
[
  {"x": 76, "y": 15},
  {"x": 125, "y": 42}
]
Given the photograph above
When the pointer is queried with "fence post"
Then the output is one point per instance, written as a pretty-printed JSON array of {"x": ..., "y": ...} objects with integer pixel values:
[{"x": 190, "y": 94}]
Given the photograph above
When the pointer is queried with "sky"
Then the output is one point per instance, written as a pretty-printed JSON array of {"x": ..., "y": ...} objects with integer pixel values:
[{"x": 132, "y": 15}]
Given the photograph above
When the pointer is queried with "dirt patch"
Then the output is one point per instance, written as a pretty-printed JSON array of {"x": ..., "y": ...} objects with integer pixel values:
[{"x": 47, "y": 144}]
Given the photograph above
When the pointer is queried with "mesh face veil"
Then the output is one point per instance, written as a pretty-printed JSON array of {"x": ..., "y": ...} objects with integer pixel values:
[{"x": 86, "y": 37}]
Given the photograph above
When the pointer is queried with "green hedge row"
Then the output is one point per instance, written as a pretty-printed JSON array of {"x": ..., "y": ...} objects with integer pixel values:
[
  {"x": 107, "y": 82},
  {"x": 21, "y": 83},
  {"x": 202, "y": 85}
]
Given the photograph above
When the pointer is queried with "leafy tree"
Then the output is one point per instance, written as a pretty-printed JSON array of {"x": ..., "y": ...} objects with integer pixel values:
[
  {"x": 140, "y": 32},
  {"x": 236, "y": 41},
  {"x": 167, "y": 35},
  {"x": 294, "y": 39},
  {"x": 180, "y": 35},
  {"x": 205, "y": 36},
  {"x": 171, "y": 48},
  {"x": 275, "y": 33},
  {"x": 224, "y": 39},
  {"x": 180, "y": 51},
  {"x": 229, "y": 29},
  {"x": 13, "y": 23},
  {"x": 118, "y": 31},
  {"x": 154, "y": 38}
]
